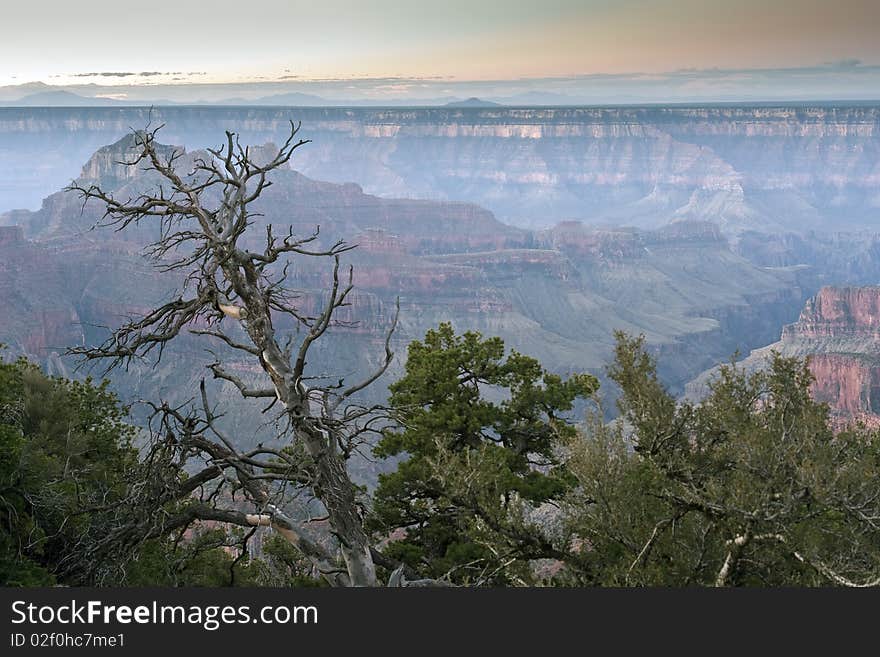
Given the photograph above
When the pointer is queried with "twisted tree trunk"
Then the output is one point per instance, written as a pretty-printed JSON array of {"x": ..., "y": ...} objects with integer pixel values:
[{"x": 232, "y": 283}]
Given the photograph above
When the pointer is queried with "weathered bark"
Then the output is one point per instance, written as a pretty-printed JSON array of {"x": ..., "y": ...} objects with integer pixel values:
[
  {"x": 737, "y": 545},
  {"x": 333, "y": 485},
  {"x": 232, "y": 285}
]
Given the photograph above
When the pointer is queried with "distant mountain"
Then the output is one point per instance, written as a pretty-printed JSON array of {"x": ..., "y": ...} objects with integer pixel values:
[
  {"x": 60, "y": 99},
  {"x": 293, "y": 99},
  {"x": 298, "y": 99},
  {"x": 38, "y": 94},
  {"x": 539, "y": 98},
  {"x": 16, "y": 91},
  {"x": 472, "y": 102}
]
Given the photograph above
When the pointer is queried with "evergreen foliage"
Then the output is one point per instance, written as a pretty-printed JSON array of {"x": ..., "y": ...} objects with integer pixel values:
[
  {"x": 751, "y": 486},
  {"x": 482, "y": 433}
]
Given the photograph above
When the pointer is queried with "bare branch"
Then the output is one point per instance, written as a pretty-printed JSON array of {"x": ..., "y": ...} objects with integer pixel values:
[
  {"x": 389, "y": 357},
  {"x": 201, "y": 216}
]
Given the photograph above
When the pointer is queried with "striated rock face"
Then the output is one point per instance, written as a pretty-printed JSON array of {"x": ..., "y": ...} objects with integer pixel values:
[
  {"x": 839, "y": 332},
  {"x": 782, "y": 168},
  {"x": 850, "y": 384},
  {"x": 11, "y": 235},
  {"x": 37, "y": 316},
  {"x": 839, "y": 313},
  {"x": 840, "y": 328},
  {"x": 107, "y": 165}
]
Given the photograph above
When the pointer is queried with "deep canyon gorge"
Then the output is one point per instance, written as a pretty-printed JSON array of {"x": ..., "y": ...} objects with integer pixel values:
[{"x": 704, "y": 228}]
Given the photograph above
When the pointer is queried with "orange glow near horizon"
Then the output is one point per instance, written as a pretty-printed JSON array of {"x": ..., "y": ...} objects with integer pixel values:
[{"x": 457, "y": 40}]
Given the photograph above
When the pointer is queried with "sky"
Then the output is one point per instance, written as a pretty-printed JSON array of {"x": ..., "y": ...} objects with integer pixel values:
[{"x": 418, "y": 49}]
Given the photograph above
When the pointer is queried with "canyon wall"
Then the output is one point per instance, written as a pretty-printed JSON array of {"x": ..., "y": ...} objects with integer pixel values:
[
  {"x": 771, "y": 169},
  {"x": 838, "y": 331}
]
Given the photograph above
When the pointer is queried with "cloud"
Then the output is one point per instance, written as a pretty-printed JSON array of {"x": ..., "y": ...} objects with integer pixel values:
[
  {"x": 106, "y": 74},
  {"x": 849, "y": 65},
  {"x": 381, "y": 80},
  {"x": 835, "y": 80},
  {"x": 845, "y": 63},
  {"x": 129, "y": 74}
]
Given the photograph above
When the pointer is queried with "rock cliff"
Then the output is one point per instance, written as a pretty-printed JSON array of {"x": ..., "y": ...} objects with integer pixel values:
[
  {"x": 839, "y": 332},
  {"x": 762, "y": 168},
  {"x": 839, "y": 314}
]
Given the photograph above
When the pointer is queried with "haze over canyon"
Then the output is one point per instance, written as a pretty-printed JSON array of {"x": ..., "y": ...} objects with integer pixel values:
[{"x": 704, "y": 227}]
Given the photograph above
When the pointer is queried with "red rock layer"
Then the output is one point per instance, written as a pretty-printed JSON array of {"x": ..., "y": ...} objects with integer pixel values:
[{"x": 839, "y": 312}]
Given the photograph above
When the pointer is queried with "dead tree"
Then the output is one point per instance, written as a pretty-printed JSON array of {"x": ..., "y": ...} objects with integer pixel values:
[{"x": 235, "y": 295}]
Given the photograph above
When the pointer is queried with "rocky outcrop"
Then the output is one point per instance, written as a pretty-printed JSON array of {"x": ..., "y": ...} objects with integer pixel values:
[
  {"x": 838, "y": 331},
  {"x": 109, "y": 165},
  {"x": 842, "y": 314}
]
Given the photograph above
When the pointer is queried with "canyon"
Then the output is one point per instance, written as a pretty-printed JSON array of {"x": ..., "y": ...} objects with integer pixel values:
[
  {"x": 768, "y": 168},
  {"x": 703, "y": 228},
  {"x": 557, "y": 293}
]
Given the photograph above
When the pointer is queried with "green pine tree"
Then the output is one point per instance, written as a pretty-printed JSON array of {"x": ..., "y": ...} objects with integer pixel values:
[{"x": 480, "y": 434}]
